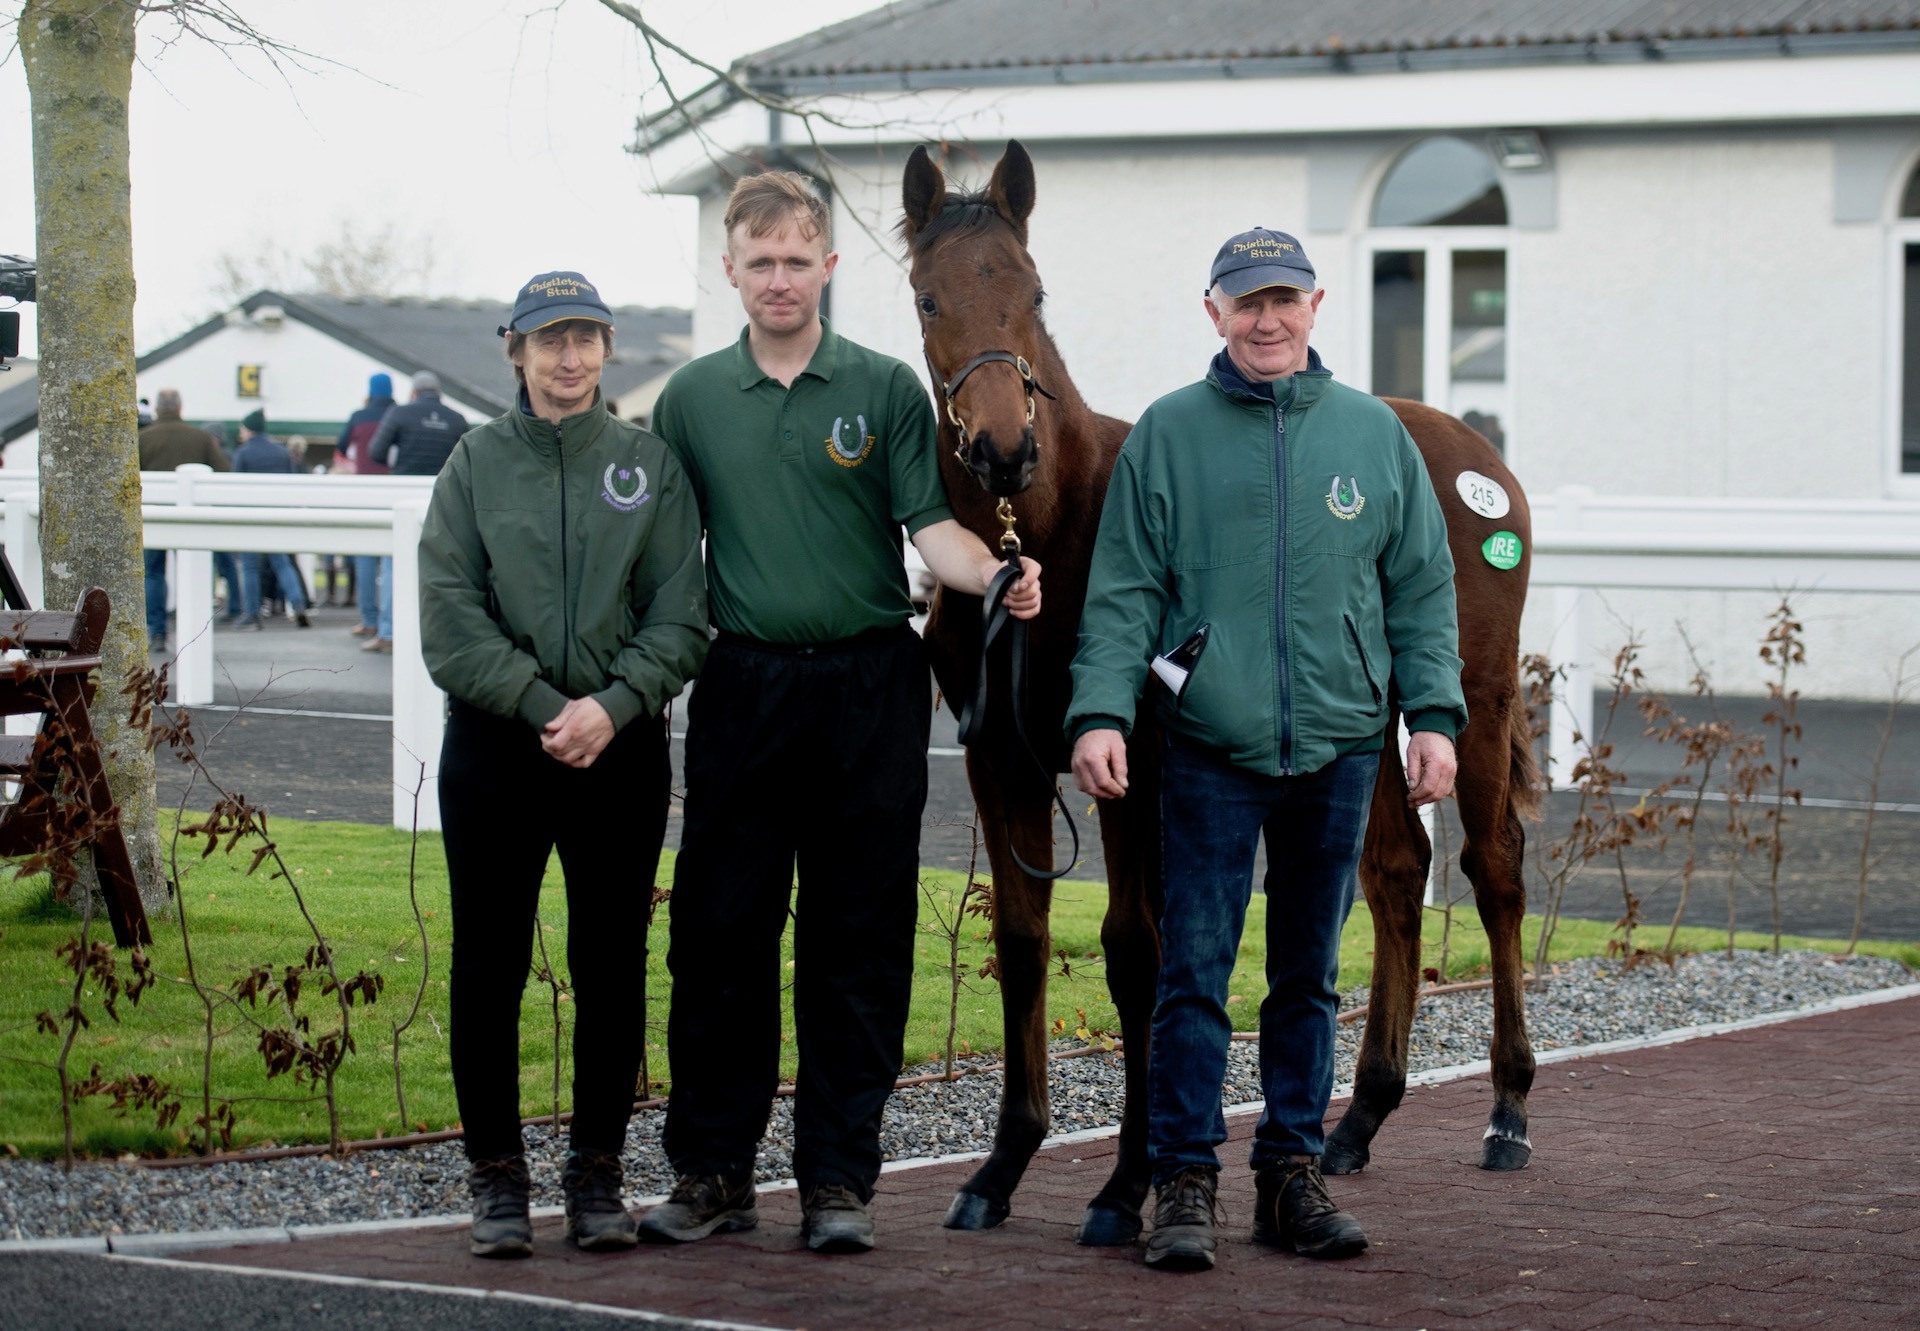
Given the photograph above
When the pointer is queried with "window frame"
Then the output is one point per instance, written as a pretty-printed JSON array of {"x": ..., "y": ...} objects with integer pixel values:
[
  {"x": 1438, "y": 244},
  {"x": 1902, "y": 232}
]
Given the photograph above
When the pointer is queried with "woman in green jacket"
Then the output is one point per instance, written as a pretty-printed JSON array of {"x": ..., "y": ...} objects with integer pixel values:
[{"x": 562, "y": 606}]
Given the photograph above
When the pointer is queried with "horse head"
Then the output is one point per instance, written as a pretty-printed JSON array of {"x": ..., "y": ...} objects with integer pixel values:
[{"x": 978, "y": 295}]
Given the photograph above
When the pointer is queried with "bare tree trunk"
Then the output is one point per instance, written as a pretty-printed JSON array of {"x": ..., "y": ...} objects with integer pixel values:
[{"x": 79, "y": 63}]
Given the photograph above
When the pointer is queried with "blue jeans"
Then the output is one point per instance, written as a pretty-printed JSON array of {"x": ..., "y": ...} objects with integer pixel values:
[
  {"x": 284, "y": 573},
  {"x": 366, "y": 583},
  {"x": 226, "y": 566},
  {"x": 156, "y": 571},
  {"x": 386, "y": 597},
  {"x": 1211, "y": 816}
]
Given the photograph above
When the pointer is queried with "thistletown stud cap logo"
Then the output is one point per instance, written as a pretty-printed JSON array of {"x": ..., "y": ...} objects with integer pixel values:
[
  {"x": 1344, "y": 499},
  {"x": 624, "y": 488}
]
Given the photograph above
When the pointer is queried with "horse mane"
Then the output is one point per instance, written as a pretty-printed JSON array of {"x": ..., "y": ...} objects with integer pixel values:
[{"x": 961, "y": 212}]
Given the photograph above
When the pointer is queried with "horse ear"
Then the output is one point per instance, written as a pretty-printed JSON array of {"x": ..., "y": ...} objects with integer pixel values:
[
  {"x": 1011, "y": 188},
  {"x": 923, "y": 193}
]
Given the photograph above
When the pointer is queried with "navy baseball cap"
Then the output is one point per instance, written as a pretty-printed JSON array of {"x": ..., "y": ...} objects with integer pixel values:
[
  {"x": 552, "y": 297},
  {"x": 1256, "y": 259}
]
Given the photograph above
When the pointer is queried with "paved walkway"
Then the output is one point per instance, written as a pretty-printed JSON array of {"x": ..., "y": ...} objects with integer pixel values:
[{"x": 1766, "y": 1177}]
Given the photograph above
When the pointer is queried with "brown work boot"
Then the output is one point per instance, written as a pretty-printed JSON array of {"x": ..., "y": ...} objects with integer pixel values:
[
  {"x": 1294, "y": 1211},
  {"x": 597, "y": 1219},
  {"x": 1186, "y": 1208},
  {"x": 834, "y": 1219},
  {"x": 702, "y": 1204}
]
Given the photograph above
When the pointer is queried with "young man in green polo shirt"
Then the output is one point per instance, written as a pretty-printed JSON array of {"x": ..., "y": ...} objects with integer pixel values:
[{"x": 807, "y": 736}]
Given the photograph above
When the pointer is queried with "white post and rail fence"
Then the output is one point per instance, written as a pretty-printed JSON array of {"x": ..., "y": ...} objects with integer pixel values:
[{"x": 1582, "y": 543}]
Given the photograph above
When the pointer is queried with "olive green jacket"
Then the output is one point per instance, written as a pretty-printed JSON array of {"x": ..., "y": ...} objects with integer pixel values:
[
  {"x": 1302, "y": 529},
  {"x": 562, "y": 562}
]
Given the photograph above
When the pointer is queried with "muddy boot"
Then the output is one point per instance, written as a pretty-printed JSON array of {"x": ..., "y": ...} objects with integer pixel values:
[
  {"x": 501, "y": 1227},
  {"x": 702, "y": 1204},
  {"x": 597, "y": 1219}
]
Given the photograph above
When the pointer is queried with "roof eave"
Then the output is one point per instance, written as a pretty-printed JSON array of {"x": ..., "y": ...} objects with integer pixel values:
[{"x": 800, "y": 82}]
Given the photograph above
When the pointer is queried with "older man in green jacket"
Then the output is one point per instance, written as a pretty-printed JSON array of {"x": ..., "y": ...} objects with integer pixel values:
[{"x": 1272, "y": 552}]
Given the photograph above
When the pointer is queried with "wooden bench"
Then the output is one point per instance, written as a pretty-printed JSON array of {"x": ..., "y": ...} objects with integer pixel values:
[{"x": 63, "y": 785}]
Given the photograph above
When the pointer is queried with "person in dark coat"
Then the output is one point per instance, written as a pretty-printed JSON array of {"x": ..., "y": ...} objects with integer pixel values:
[
  {"x": 353, "y": 448},
  {"x": 260, "y": 452},
  {"x": 169, "y": 443},
  {"x": 414, "y": 440}
]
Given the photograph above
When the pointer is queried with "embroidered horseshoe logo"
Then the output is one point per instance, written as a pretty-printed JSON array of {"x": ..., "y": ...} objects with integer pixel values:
[
  {"x": 855, "y": 452},
  {"x": 1344, "y": 499}
]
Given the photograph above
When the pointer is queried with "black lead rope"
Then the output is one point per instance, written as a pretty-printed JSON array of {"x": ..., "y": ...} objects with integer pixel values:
[{"x": 973, "y": 716}]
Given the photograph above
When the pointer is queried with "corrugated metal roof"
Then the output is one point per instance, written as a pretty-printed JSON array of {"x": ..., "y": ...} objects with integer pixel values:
[{"x": 935, "y": 35}]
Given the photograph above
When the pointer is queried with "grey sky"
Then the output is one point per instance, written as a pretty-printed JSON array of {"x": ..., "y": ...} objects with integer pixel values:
[{"x": 492, "y": 131}]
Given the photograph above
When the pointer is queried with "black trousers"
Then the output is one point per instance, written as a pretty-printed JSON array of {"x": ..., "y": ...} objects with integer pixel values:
[
  {"x": 815, "y": 757},
  {"x": 504, "y": 806}
]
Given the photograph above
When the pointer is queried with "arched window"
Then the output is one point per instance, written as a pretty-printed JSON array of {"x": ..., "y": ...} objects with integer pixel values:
[
  {"x": 1907, "y": 261},
  {"x": 1441, "y": 182},
  {"x": 1439, "y": 251}
]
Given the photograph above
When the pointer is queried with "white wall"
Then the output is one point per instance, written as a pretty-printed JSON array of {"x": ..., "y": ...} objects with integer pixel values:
[{"x": 1695, "y": 324}]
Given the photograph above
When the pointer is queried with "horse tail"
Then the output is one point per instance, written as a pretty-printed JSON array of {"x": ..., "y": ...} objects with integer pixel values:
[{"x": 1524, "y": 784}]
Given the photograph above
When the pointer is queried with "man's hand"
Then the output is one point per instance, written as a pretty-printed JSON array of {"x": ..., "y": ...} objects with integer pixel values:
[
  {"x": 1100, "y": 764},
  {"x": 577, "y": 735},
  {"x": 1023, "y": 598},
  {"x": 1431, "y": 766},
  {"x": 961, "y": 560}
]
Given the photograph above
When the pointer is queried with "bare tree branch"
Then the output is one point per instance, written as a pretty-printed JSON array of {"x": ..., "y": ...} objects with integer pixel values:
[{"x": 684, "y": 108}]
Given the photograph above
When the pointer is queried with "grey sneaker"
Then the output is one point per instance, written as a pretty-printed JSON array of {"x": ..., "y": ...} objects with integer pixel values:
[
  {"x": 1184, "y": 1214},
  {"x": 597, "y": 1219},
  {"x": 1294, "y": 1211},
  {"x": 702, "y": 1204},
  {"x": 501, "y": 1227},
  {"x": 834, "y": 1219}
]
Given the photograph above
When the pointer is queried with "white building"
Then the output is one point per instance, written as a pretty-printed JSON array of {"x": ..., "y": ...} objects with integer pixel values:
[{"x": 1655, "y": 249}]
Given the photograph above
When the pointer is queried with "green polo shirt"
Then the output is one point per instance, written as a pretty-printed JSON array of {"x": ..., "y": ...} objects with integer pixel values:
[{"x": 804, "y": 490}]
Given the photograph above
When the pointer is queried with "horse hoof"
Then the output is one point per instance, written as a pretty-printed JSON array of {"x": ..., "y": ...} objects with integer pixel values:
[
  {"x": 1504, "y": 1153},
  {"x": 1342, "y": 1159},
  {"x": 1108, "y": 1227},
  {"x": 972, "y": 1211}
]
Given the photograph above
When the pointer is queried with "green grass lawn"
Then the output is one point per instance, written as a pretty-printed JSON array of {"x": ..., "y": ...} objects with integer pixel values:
[{"x": 355, "y": 879}]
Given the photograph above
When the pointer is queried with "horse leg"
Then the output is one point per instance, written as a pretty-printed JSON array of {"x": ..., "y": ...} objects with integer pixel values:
[
  {"x": 1020, "y": 906},
  {"x": 1493, "y": 858},
  {"x": 1393, "y": 873},
  {"x": 1130, "y": 942}
]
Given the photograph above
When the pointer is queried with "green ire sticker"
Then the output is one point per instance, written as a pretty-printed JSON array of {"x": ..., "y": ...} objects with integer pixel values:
[{"x": 1502, "y": 549}]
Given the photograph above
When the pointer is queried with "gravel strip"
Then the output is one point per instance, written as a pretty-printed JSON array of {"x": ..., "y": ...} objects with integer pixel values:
[{"x": 1583, "y": 1003}]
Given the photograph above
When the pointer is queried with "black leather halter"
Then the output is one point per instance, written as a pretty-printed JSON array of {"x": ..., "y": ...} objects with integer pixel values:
[{"x": 949, "y": 387}]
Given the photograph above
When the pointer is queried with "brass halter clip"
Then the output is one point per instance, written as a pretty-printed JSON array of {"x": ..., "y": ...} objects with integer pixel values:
[{"x": 1009, "y": 543}]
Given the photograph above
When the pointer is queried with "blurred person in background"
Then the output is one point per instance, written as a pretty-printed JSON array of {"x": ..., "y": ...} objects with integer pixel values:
[{"x": 165, "y": 445}]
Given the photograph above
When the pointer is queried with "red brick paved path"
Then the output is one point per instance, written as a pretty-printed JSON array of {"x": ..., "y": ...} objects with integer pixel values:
[{"x": 1768, "y": 1178}]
